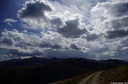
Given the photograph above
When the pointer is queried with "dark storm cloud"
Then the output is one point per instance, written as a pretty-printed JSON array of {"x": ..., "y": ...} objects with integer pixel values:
[
  {"x": 56, "y": 22},
  {"x": 74, "y": 46},
  {"x": 71, "y": 30},
  {"x": 115, "y": 14},
  {"x": 91, "y": 37},
  {"x": 119, "y": 23},
  {"x": 8, "y": 41},
  {"x": 3, "y": 51},
  {"x": 45, "y": 45},
  {"x": 119, "y": 9},
  {"x": 17, "y": 53},
  {"x": 34, "y": 10},
  {"x": 49, "y": 45},
  {"x": 117, "y": 33},
  {"x": 56, "y": 46}
]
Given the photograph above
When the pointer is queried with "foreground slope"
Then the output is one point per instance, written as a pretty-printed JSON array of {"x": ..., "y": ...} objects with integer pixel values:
[{"x": 118, "y": 74}]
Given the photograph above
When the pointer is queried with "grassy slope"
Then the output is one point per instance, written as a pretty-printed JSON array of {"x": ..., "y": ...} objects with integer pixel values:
[{"x": 118, "y": 74}]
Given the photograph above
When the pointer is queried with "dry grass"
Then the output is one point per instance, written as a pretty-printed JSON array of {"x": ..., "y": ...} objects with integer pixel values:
[{"x": 118, "y": 74}]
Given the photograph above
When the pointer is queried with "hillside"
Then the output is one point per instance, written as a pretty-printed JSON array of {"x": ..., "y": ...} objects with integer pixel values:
[
  {"x": 118, "y": 74},
  {"x": 44, "y": 70}
]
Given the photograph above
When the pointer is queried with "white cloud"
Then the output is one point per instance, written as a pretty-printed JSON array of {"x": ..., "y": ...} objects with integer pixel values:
[
  {"x": 10, "y": 21},
  {"x": 26, "y": 44},
  {"x": 96, "y": 28},
  {"x": 55, "y": 18},
  {"x": 110, "y": 18},
  {"x": 124, "y": 48}
]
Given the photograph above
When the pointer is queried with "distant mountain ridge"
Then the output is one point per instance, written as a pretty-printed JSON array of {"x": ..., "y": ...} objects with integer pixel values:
[
  {"x": 44, "y": 70},
  {"x": 38, "y": 61},
  {"x": 33, "y": 61}
]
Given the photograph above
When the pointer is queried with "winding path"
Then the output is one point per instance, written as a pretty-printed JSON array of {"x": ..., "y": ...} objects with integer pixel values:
[{"x": 91, "y": 79}]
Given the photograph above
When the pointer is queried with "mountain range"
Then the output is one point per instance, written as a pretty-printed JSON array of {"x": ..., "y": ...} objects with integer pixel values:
[{"x": 45, "y": 70}]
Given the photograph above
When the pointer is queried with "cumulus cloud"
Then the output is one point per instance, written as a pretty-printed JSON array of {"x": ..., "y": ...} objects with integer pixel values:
[
  {"x": 72, "y": 30},
  {"x": 124, "y": 48},
  {"x": 49, "y": 45},
  {"x": 14, "y": 34},
  {"x": 19, "y": 53},
  {"x": 117, "y": 33},
  {"x": 91, "y": 37},
  {"x": 10, "y": 21},
  {"x": 8, "y": 41},
  {"x": 118, "y": 8},
  {"x": 56, "y": 22},
  {"x": 22, "y": 44},
  {"x": 34, "y": 10},
  {"x": 74, "y": 46},
  {"x": 111, "y": 18},
  {"x": 120, "y": 23},
  {"x": 34, "y": 14},
  {"x": 68, "y": 24},
  {"x": 69, "y": 28}
]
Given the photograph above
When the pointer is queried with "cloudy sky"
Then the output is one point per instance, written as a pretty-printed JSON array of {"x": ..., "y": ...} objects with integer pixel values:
[{"x": 95, "y": 29}]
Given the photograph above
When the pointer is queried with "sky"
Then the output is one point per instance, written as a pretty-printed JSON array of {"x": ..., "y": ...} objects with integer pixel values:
[{"x": 94, "y": 29}]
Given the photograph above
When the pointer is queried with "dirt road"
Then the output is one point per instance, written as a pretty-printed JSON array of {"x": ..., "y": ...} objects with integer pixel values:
[{"x": 91, "y": 79}]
